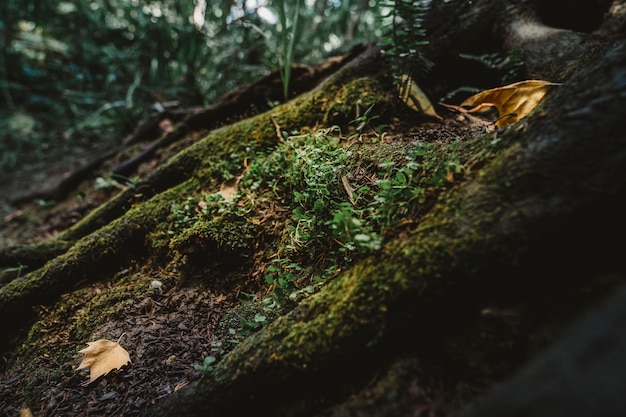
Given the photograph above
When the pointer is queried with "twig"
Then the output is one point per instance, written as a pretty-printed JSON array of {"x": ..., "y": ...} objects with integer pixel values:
[
  {"x": 279, "y": 133},
  {"x": 348, "y": 188}
]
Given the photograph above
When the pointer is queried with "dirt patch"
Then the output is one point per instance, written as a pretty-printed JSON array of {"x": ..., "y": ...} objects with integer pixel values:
[{"x": 166, "y": 331}]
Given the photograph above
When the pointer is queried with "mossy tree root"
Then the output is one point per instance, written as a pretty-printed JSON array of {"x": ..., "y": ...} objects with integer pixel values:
[
  {"x": 116, "y": 232},
  {"x": 31, "y": 256},
  {"x": 90, "y": 258},
  {"x": 551, "y": 196}
]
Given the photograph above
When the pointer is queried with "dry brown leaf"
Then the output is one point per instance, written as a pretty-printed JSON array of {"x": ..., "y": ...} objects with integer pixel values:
[
  {"x": 414, "y": 97},
  {"x": 166, "y": 126},
  {"x": 102, "y": 356},
  {"x": 230, "y": 188},
  {"x": 25, "y": 412},
  {"x": 513, "y": 102}
]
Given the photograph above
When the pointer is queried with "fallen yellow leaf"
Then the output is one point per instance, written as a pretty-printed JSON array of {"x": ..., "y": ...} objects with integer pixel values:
[
  {"x": 102, "y": 356},
  {"x": 25, "y": 412},
  {"x": 230, "y": 188},
  {"x": 415, "y": 98},
  {"x": 513, "y": 102}
]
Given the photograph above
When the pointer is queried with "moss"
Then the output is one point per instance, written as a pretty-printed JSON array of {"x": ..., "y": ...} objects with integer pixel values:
[
  {"x": 93, "y": 257},
  {"x": 349, "y": 311},
  {"x": 352, "y": 309},
  {"x": 323, "y": 106},
  {"x": 248, "y": 317},
  {"x": 222, "y": 236},
  {"x": 31, "y": 256},
  {"x": 352, "y": 100}
]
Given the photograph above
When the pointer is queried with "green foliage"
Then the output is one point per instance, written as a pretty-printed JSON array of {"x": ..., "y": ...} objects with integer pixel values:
[
  {"x": 12, "y": 272},
  {"x": 288, "y": 34},
  {"x": 184, "y": 215},
  {"x": 309, "y": 173},
  {"x": 304, "y": 172},
  {"x": 120, "y": 182},
  {"x": 364, "y": 121},
  {"x": 281, "y": 276},
  {"x": 509, "y": 64},
  {"x": 87, "y": 72},
  {"x": 74, "y": 73},
  {"x": 405, "y": 36},
  {"x": 207, "y": 364},
  {"x": 329, "y": 224}
]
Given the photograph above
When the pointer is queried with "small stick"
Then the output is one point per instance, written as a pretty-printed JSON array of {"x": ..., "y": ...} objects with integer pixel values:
[
  {"x": 348, "y": 188},
  {"x": 277, "y": 127}
]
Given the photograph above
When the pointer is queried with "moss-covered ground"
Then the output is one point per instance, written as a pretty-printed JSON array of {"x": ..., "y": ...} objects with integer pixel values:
[{"x": 308, "y": 239}]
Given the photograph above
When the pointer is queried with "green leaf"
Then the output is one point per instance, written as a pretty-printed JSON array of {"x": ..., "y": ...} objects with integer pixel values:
[
  {"x": 401, "y": 178},
  {"x": 282, "y": 282}
]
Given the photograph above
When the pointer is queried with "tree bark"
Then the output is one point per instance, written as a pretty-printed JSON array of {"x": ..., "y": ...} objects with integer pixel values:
[{"x": 581, "y": 375}]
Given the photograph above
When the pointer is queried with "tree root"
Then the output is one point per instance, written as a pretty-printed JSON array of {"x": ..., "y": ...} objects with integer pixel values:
[
  {"x": 116, "y": 232},
  {"x": 500, "y": 237}
]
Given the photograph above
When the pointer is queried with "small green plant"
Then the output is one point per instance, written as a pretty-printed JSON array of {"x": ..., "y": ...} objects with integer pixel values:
[
  {"x": 442, "y": 165},
  {"x": 184, "y": 215},
  {"x": 282, "y": 275},
  {"x": 405, "y": 36},
  {"x": 352, "y": 227},
  {"x": 208, "y": 364},
  {"x": 251, "y": 326},
  {"x": 363, "y": 121},
  {"x": 510, "y": 64},
  {"x": 231, "y": 166},
  {"x": 311, "y": 174},
  {"x": 118, "y": 181},
  {"x": 288, "y": 34},
  {"x": 16, "y": 270},
  {"x": 398, "y": 189}
]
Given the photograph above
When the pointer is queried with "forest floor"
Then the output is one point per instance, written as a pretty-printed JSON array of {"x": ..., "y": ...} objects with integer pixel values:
[
  {"x": 170, "y": 324},
  {"x": 37, "y": 219}
]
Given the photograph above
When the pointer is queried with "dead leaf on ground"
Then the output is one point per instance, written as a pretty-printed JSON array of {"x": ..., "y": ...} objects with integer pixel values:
[
  {"x": 166, "y": 126},
  {"x": 25, "y": 412},
  {"x": 102, "y": 356},
  {"x": 230, "y": 188},
  {"x": 415, "y": 98},
  {"x": 513, "y": 102}
]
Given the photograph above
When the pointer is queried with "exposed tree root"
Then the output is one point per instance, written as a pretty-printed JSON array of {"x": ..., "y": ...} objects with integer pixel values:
[
  {"x": 508, "y": 218},
  {"x": 116, "y": 232}
]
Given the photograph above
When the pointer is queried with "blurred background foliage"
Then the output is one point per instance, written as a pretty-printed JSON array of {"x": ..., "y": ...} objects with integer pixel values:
[{"x": 78, "y": 75}]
